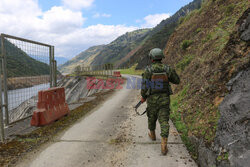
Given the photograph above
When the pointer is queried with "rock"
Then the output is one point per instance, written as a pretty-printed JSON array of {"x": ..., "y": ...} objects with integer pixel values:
[
  {"x": 206, "y": 157},
  {"x": 233, "y": 131},
  {"x": 245, "y": 30}
]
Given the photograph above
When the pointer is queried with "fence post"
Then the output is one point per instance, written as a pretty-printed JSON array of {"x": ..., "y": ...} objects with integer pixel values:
[
  {"x": 51, "y": 48},
  {"x": 53, "y": 67},
  {"x": 1, "y": 108},
  {"x": 1, "y": 100},
  {"x": 4, "y": 68},
  {"x": 55, "y": 73}
]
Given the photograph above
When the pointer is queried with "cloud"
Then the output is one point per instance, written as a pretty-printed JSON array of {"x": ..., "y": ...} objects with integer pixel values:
[
  {"x": 59, "y": 26},
  {"x": 17, "y": 6},
  {"x": 82, "y": 38},
  {"x": 98, "y": 15},
  {"x": 77, "y": 4},
  {"x": 153, "y": 20},
  {"x": 59, "y": 20}
]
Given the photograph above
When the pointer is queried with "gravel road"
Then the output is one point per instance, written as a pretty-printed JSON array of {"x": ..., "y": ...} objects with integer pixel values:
[{"x": 111, "y": 135}]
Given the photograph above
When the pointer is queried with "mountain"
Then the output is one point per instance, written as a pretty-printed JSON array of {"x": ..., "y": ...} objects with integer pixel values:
[
  {"x": 120, "y": 47},
  {"x": 210, "y": 51},
  {"x": 61, "y": 60},
  {"x": 159, "y": 36},
  {"x": 132, "y": 47},
  {"x": 19, "y": 64},
  {"x": 111, "y": 53},
  {"x": 85, "y": 58}
]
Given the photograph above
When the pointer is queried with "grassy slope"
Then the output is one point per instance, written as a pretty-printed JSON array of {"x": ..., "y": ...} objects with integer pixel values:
[
  {"x": 159, "y": 36},
  {"x": 19, "y": 64},
  {"x": 200, "y": 51},
  {"x": 119, "y": 48},
  {"x": 131, "y": 71},
  {"x": 115, "y": 52},
  {"x": 84, "y": 58}
]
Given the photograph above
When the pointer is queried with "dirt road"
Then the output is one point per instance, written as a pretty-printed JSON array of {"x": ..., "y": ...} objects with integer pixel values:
[{"x": 112, "y": 135}]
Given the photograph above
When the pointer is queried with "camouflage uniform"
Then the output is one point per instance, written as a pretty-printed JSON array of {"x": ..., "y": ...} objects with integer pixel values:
[{"x": 158, "y": 104}]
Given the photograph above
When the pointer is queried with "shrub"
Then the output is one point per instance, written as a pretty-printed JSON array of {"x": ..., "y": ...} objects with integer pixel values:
[
  {"x": 181, "y": 19},
  {"x": 185, "y": 62},
  {"x": 198, "y": 30},
  {"x": 229, "y": 9},
  {"x": 208, "y": 38},
  {"x": 185, "y": 44}
]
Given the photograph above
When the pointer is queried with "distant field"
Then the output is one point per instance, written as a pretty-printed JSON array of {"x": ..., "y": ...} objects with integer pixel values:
[{"x": 131, "y": 71}]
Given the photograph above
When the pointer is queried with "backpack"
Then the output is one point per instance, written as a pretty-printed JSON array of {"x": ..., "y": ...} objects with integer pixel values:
[{"x": 159, "y": 80}]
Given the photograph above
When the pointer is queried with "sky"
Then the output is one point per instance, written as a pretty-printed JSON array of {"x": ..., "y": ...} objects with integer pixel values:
[{"x": 73, "y": 26}]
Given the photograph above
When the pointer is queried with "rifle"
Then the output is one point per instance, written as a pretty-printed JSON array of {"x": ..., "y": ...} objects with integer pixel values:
[{"x": 137, "y": 106}]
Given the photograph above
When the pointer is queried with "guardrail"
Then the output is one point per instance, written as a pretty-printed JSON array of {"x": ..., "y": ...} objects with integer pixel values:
[{"x": 96, "y": 70}]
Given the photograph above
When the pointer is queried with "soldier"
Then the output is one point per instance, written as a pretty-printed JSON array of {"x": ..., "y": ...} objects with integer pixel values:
[{"x": 156, "y": 90}]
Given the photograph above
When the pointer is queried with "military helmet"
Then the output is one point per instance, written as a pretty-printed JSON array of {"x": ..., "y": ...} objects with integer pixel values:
[{"x": 156, "y": 54}]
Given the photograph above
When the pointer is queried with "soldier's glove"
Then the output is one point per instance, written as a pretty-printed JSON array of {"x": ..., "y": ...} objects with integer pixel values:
[{"x": 143, "y": 100}]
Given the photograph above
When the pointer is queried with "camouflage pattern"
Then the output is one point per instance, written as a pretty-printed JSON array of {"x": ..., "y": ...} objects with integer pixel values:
[
  {"x": 158, "y": 104},
  {"x": 156, "y": 54}
]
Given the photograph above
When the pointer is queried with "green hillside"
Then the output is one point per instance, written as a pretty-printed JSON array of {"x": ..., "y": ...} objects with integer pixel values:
[
  {"x": 120, "y": 47},
  {"x": 114, "y": 52},
  {"x": 85, "y": 58},
  {"x": 19, "y": 64},
  {"x": 207, "y": 51},
  {"x": 160, "y": 35}
]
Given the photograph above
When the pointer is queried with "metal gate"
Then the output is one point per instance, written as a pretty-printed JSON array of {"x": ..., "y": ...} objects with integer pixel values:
[{"x": 26, "y": 67}]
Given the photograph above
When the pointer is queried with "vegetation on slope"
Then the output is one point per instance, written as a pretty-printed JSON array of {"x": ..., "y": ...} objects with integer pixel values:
[
  {"x": 115, "y": 52},
  {"x": 19, "y": 64},
  {"x": 214, "y": 55},
  {"x": 120, "y": 47},
  {"x": 85, "y": 58},
  {"x": 131, "y": 70},
  {"x": 159, "y": 36}
]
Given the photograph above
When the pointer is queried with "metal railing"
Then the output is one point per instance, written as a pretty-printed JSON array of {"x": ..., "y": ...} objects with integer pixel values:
[
  {"x": 26, "y": 67},
  {"x": 95, "y": 70}
]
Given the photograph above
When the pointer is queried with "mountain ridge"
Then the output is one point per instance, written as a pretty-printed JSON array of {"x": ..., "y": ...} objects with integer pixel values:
[
  {"x": 20, "y": 64},
  {"x": 110, "y": 53},
  {"x": 133, "y": 47}
]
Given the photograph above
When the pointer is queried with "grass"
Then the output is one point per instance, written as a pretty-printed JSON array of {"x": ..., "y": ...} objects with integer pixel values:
[
  {"x": 185, "y": 44},
  {"x": 15, "y": 149},
  {"x": 131, "y": 71},
  {"x": 223, "y": 157},
  {"x": 208, "y": 38},
  {"x": 185, "y": 62},
  {"x": 191, "y": 14},
  {"x": 198, "y": 30},
  {"x": 181, "y": 19},
  {"x": 229, "y": 9},
  {"x": 176, "y": 104}
]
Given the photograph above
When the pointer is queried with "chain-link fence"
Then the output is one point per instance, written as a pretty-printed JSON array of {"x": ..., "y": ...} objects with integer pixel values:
[{"x": 26, "y": 67}]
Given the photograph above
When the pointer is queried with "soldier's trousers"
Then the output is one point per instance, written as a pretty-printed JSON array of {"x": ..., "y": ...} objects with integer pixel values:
[{"x": 160, "y": 112}]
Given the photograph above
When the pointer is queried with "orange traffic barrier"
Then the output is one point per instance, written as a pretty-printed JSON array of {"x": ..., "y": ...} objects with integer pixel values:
[
  {"x": 117, "y": 74},
  {"x": 51, "y": 106}
]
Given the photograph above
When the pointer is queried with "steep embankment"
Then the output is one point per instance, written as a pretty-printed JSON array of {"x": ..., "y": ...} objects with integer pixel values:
[
  {"x": 208, "y": 50},
  {"x": 159, "y": 36},
  {"x": 20, "y": 64}
]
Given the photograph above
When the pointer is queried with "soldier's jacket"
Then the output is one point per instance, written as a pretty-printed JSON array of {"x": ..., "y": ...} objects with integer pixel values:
[{"x": 163, "y": 97}]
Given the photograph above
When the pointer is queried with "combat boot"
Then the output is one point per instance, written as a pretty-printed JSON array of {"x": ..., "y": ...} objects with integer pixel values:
[
  {"x": 151, "y": 134},
  {"x": 164, "y": 147}
]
